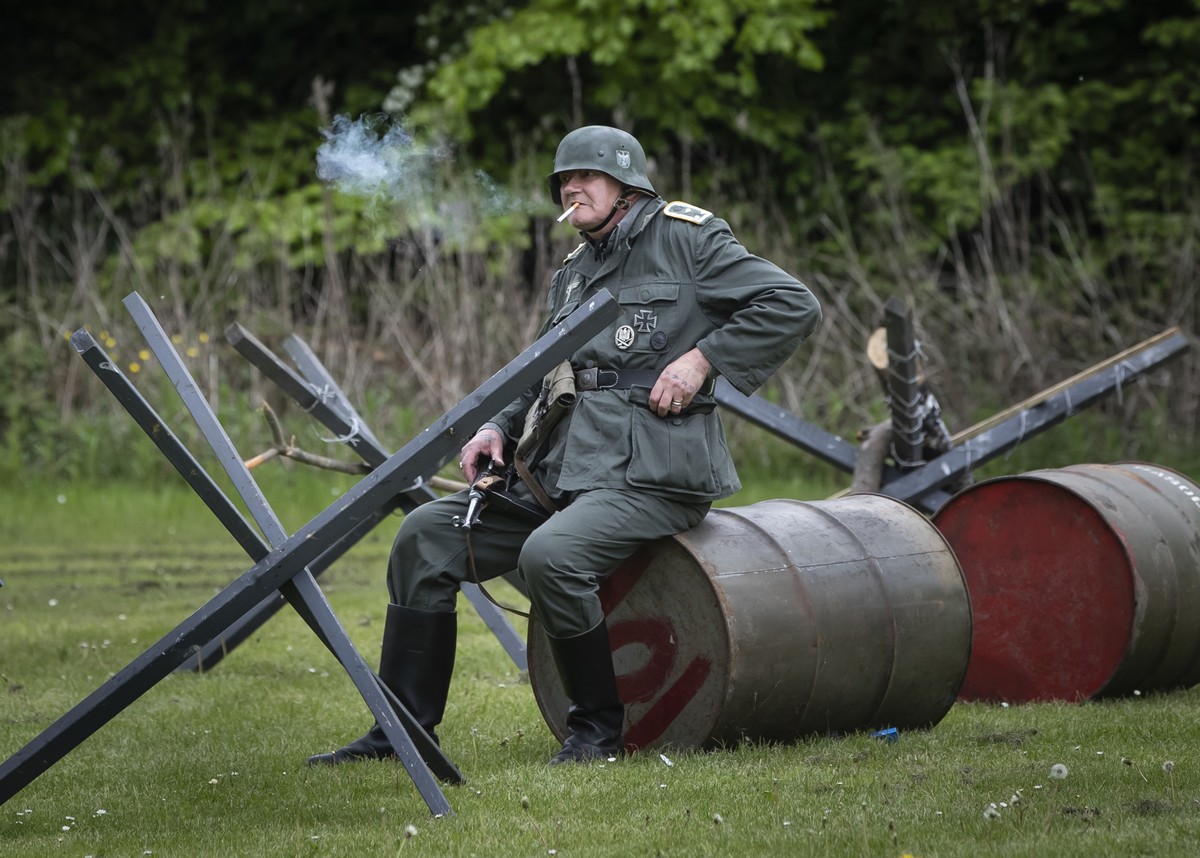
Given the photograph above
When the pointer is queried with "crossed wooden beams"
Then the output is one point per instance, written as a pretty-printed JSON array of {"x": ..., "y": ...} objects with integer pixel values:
[
  {"x": 928, "y": 484},
  {"x": 284, "y": 563}
]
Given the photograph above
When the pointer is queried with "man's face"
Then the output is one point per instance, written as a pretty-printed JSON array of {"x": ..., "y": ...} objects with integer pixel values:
[{"x": 595, "y": 192}]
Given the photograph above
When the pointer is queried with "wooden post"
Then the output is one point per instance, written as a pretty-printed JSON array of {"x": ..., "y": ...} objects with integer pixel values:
[{"x": 904, "y": 385}]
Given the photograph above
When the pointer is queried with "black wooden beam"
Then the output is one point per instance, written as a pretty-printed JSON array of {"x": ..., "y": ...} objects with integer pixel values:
[
  {"x": 301, "y": 549},
  {"x": 970, "y": 454}
]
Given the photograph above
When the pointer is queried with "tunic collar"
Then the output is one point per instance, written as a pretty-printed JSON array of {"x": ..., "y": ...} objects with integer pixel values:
[{"x": 629, "y": 226}]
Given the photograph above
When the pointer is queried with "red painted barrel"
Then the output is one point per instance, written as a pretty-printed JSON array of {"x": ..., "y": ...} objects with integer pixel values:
[
  {"x": 781, "y": 620},
  {"x": 1084, "y": 581}
]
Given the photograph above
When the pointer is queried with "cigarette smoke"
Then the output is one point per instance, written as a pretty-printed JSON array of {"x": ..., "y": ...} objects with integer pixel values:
[{"x": 375, "y": 158}]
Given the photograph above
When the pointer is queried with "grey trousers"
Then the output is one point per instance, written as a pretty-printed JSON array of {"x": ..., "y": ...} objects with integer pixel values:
[{"x": 562, "y": 560}]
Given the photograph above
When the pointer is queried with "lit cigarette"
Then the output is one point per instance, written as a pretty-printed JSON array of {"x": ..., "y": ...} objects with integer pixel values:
[{"x": 567, "y": 213}]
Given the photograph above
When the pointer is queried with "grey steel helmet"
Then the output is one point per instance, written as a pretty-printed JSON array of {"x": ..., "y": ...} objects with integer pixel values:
[{"x": 599, "y": 147}]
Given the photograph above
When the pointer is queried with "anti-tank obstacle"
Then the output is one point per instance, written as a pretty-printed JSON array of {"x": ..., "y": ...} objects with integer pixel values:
[{"x": 286, "y": 566}]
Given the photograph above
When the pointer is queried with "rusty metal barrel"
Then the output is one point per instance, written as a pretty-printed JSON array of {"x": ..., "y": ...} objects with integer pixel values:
[
  {"x": 1084, "y": 581},
  {"x": 780, "y": 620}
]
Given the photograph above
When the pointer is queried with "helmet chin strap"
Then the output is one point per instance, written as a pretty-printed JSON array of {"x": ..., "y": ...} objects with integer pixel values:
[{"x": 620, "y": 204}]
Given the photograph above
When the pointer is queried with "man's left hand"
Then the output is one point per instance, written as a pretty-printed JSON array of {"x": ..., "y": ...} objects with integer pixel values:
[{"x": 678, "y": 383}]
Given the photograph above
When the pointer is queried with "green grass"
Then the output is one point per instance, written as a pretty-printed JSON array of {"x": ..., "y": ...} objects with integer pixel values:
[{"x": 212, "y": 764}]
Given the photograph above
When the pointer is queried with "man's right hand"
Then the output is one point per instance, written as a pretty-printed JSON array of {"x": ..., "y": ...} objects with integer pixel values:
[{"x": 487, "y": 444}]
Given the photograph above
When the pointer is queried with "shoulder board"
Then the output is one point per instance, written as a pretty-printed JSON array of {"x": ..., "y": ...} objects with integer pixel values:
[
  {"x": 575, "y": 252},
  {"x": 688, "y": 212}
]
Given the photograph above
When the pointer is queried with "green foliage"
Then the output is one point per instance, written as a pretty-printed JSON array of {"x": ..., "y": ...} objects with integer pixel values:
[
  {"x": 1024, "y": 172},
  {"x": 686, "y": 67},
  {"x": 26, "y": 401}
]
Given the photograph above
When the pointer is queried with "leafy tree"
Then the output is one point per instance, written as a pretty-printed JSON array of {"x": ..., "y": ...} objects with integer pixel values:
[{"x": 667, "y": 70}]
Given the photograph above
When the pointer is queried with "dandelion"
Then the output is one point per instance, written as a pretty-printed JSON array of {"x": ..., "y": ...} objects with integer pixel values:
[
  {"x": 991, "y": 812},
  {"x": 203, "y": 337},
  {"x": 53, "y": 603},
  {"x": 410, "y": 831},
  {"x": 135, "y": 367},
  {"x": 525, "y": 802},
  {"x": 718, "y": 819},
  {"x": 1168, "y": 768},
  {"x": 144, "y": 354},
  {"x": 192, "y": 351},
  {"x": 1058, "y": 771}
]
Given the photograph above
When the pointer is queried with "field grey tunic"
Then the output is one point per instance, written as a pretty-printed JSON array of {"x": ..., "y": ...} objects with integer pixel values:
[{"x": 622, "y": 474}]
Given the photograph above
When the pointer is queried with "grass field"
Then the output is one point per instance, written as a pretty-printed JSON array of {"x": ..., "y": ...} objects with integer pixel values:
[{"x": 213, "y": 764}]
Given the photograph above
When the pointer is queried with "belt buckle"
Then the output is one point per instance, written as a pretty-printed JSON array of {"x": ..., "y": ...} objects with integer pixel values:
[
  {"x": 602, "y": 376},
  {"x": 585, "y": 379}
]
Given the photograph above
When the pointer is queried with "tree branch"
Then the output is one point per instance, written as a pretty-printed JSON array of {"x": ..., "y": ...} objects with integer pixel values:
[{"x": 288, "y": 449}]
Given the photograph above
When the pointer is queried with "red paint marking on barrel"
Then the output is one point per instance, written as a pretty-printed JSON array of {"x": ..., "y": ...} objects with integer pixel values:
[
  {"x": 658, "y": 636},
  {"x": 623, "y": 579},
  {"x": 669, "y": 706}
]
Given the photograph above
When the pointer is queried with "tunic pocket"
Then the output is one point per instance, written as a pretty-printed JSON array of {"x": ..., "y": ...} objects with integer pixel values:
[
  {"x": 652, "y": 316},
  {"x": 671, "y": 453}
]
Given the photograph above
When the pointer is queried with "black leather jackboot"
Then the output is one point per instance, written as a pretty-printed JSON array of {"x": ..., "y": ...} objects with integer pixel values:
[
  {"x": 416, "y": 663},
  {"x": 597, "y": 715}
]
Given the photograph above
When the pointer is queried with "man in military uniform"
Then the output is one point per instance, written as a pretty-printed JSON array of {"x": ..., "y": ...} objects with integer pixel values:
[{"x": 639, "y": 455}]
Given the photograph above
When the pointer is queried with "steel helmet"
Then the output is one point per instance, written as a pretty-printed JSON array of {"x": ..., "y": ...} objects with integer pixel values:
[{"x": 599, "y": 147}]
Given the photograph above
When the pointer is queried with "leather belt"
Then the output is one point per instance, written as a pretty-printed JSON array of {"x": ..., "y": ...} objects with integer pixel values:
[{"x": 597, "y": 378}]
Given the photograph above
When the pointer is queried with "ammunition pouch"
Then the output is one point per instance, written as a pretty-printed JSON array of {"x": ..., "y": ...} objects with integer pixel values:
[{"x": 556, "y": 398}]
